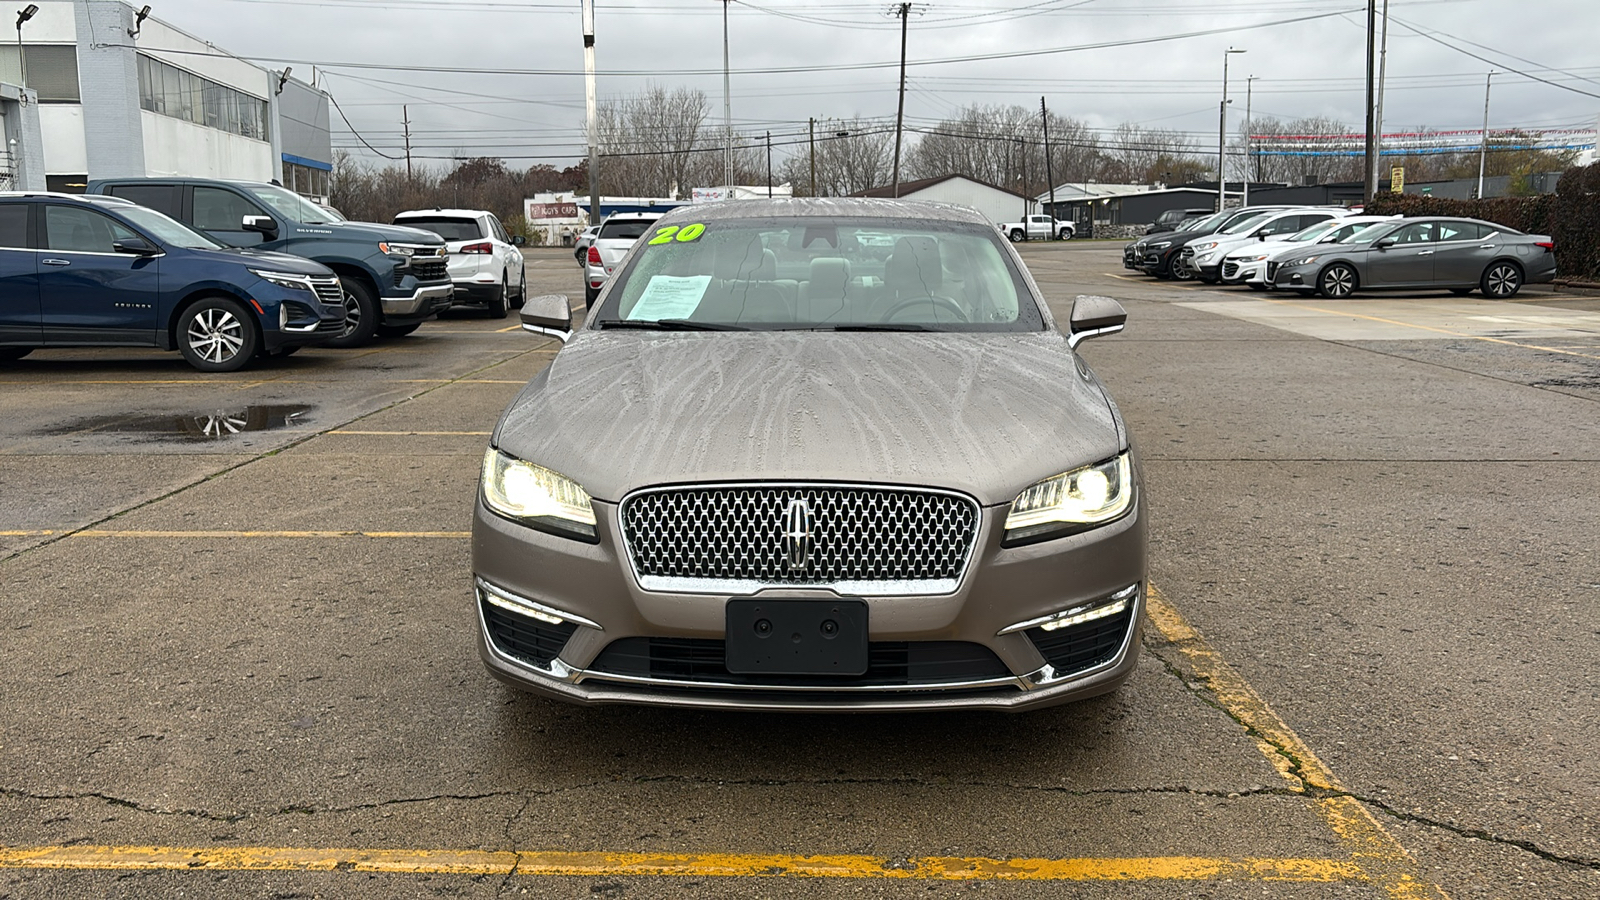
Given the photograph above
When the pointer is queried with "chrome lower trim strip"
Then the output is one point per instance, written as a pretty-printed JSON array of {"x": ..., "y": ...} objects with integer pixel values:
[
  {"x": 505, "y": 599},
  {"x": 405, "y": 306},
  {"x": 577, "y": 676},
  {"x": 904, "y": 588},
  {"x": 1105, "y": 602}
]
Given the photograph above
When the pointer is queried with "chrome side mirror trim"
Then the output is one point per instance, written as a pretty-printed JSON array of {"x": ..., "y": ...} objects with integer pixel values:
[{"x": 549, "y": 315}]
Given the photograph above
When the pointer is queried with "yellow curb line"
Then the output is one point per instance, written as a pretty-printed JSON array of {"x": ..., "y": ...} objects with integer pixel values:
[
  {"x": 1382, "y": 858},
  {"x": 1459, "y": 334},
  {"x": 100, "y": 533},
  {"x": 730, "y": 865},
  {"x": 408, "y": 433}
]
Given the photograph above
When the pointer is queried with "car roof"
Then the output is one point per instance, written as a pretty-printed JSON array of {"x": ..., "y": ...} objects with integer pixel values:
[
  {"x": 156, "y": 179},
  {"x": 97, "y": 199},
  {"x": 829, "y": 207},
  {"x": 463, "y": 213}
]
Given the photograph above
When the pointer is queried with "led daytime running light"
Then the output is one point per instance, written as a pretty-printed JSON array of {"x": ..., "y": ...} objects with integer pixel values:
[
  {"x": 1088, "y": 496},
  {"x": 522, "y": 490}
]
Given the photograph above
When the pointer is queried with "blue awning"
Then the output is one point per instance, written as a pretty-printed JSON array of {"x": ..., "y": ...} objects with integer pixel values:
[{"x": 308, "y": 163}]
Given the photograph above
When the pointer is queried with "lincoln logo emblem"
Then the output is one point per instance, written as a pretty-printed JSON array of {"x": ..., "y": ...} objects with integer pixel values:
[{"x": 798, "y": 523}]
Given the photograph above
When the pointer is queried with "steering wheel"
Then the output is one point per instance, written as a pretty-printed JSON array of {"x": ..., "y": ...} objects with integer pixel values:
[{"x": 944, "y": 303}]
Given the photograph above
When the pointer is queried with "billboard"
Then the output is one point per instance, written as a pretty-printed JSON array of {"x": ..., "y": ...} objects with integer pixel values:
[{"x": 545, "y": 211}]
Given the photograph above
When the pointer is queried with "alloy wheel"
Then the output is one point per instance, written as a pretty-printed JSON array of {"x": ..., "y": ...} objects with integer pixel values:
[
  {"x": 216, "y": 335},
  {"x": 352, "y": 314},
  {"x": 1503, "y": 280},
  {"x": 1338, "y": 282}
]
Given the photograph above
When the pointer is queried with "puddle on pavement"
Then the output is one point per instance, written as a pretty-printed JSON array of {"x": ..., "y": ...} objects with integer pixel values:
[{"x": 211, "y": 426}]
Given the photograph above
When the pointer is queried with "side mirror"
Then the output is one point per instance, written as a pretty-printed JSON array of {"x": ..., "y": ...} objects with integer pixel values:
[
  {"x": 1384, "y": 244},
  {"x": 263, "y": 225},
  {"x": 549, "y": 315},
  {"x": 1094, "y": 317},
  {"x": 1261, "y": 235},
  {"x": 136, "y": 247},
  {"x": 518, "y": 240}
]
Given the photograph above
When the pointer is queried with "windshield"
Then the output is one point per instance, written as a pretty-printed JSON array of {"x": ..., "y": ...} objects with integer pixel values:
[
  {"x": 166, "y": 230},
  {"x": 1314, "y": 232},
  {"x": 1245, "y": 225},
  {"x": 451, "y": 228},
  {"x": 290, "y": 205},
  {"x": 1212, "y": 221},
  {"x": 823, "y": 273},
  {"x": 1354, "y": 232}
]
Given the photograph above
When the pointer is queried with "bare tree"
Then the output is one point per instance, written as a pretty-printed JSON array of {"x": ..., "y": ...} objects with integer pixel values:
[
  {"x": 862, "y": 158},
  {"x": 1311, "y": 150},
  {"x": 1138, "y": 155},
  {"x": 1004, "y": 145}
]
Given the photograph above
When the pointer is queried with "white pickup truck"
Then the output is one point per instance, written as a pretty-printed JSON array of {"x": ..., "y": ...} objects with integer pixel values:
[{"x": 1037, "y": 227}]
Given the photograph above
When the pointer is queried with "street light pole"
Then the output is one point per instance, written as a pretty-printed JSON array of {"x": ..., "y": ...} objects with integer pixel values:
[
  {"x": 900, "y": 112},
  {"x": 1249, "y": 86},
  {"x": 24, "y": 15},
  {"x": 588, "y": 88},
  {"x": 1370, "y": 168},
  {"x": 1483, "y": 152},
  {"x": 1383, "y": 66},
  {"x": 727, "y": 108},
  {"x": 1222, "y": 135},
  {"x": 811, "y": 128}
]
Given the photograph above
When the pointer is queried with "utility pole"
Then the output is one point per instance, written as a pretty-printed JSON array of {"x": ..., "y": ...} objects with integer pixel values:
[
  {"x": 1049, "y": 172},
  {"x": 1222, "y": 136},
  {"x": 1483, "y": 152},
  {"x": 769, "y": 165},
  {"x": 727, "y": 108},
  {"x": 812, "y": 128},
  {"x": 405, "y": 119},
  {"x": 904, "y": 12},
  {"x": 1370, "y": 188},
  {"x": 1383, "y": 65},
  {"x": 1249, "y": 85},
  {"x": 588, "y": 90}
]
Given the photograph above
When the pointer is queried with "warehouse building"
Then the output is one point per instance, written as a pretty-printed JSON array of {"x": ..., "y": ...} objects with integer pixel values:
[{"x": 115, "y": 92}]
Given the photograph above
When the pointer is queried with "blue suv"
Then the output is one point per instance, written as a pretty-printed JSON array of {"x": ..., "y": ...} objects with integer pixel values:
[{"x": 97, "y": 271}]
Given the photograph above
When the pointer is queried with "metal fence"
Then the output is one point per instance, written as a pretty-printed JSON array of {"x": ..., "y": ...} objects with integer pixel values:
[{"x": 7, "y": 172}]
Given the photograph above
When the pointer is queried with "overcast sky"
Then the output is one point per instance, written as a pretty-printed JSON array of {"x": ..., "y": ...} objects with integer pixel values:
[{"x": 1310, "y": 67}]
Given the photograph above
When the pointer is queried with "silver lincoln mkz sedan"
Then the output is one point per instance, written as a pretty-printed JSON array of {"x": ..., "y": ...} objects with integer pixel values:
[{"x": 814, "y": 455}]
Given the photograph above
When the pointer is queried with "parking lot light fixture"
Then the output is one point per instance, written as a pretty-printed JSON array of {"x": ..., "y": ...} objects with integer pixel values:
[
  {"x": 24, "y": 15},
  {"x": 1222, "y": 136}
]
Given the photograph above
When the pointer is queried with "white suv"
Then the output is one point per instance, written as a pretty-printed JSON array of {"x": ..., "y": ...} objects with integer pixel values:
[
  {"x": 484, "y": 262},
  {"x": 616, "y": 237},
  {"x": 1204, "y": 255}
]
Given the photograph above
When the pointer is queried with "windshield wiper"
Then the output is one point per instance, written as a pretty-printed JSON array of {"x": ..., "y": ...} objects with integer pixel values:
[
  {"x": 881, "y": 326},
  {"x": 669, "y": 325}
]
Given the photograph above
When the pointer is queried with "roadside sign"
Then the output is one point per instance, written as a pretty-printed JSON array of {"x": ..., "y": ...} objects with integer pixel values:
[{"x": 1397, "y": 180}]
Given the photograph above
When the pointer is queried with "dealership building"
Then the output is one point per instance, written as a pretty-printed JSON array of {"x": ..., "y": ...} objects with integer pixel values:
[{"x": 102, "y": 89}]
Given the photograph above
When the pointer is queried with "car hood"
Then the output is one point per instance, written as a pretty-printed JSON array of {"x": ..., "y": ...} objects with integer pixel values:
[
  {"x": 987, "y": 414},
  {"x": 1256, "y": 248},
  {"x": 266, "y": 259},
  {"x": 397, "y": 233}
]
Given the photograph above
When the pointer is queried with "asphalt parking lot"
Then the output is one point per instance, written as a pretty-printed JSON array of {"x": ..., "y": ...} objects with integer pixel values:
[{"x": 239, "y": 661}]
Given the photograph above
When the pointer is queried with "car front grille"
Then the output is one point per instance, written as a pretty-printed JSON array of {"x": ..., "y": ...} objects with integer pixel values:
[
  {"x": 329, "y": 291},
  {"x": 859, "y": 540},
  {"x": 889, "y": 664},
  {"x": 522, "y": 638},
  {"x": 430, "y": 269},
  {"x": 1082, "y": 647},
  {"x": 1230, "y": 269},
  {"x": 1272, "y": 271}
]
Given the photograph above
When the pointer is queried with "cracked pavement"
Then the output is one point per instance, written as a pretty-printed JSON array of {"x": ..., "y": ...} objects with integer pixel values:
[{"x": 1391, "y": 541}]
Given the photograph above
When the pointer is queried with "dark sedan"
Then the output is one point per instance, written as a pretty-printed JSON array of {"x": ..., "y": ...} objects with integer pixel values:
[
  {"x": 1461, "y": 255},
  {"x": 781, "y": 469}
]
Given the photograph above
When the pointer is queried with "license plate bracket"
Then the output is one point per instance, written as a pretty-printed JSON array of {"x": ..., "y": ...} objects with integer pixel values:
[{"x": 796, "y": 637}]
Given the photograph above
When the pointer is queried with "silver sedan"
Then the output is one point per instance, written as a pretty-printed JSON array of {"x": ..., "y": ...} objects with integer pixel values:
[{"x": 1461, "y": 255}]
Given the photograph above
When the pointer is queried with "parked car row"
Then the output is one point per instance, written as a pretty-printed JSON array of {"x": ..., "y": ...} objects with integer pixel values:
[
  {"x": 226, "y": 272},
  {"x": 1333, "y": 253}
]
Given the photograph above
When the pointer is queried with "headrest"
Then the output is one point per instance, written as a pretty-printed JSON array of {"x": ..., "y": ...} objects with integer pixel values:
[
  {"x": 915, "y": 265},
  {"x": 827, "y": 235},
  {"x": 738, "y": 259},
  {"x": 768, "y": 270},
  {"x": 829, "y": 276}
]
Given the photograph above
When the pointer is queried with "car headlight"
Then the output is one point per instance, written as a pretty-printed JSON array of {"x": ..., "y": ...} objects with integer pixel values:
[
  {"x": 1208, "y": 245},
  {"x": 285, "y": 279},
  {"x": 537, "y": 497},
  {"x": 1305, "y": 261},
  {"x": 1257, "y": 258},
  {"x": 1158, "y": 245},
  {"x": 396, "y": 249},
  {"x": 1092, "y": 495}
]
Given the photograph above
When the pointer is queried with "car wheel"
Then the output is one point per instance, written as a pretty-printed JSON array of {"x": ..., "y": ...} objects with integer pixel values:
[
  {"x": 589, "y": 296},
  {"x": 498, "y": 304},
  {"x": 217, "y": 335},
  {"x": 360, "y": 315},
  {"x": 1502, "y": 280},
  {"x": 1016, "y": 235},
  {"x": 522, "y": 288},
  {"x": 1461, "y": 292},
  {"x": 1181, "y": 270},
  {"x": 12, "y": 354},
  {"x": 398, "y": 331},
  {"x": 1066, "y": 234},
  {"x": 1337, "y": 281}
]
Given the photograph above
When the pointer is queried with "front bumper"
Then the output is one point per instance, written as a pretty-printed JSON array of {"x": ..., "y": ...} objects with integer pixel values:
[
  {"x": 1296, "y": 278},
  {"x": 422, "y": 302},
  {"x": 1002, "y": 587},
  {"x": 1238, "y": 271},
  {"x": 476, "y": 293}
]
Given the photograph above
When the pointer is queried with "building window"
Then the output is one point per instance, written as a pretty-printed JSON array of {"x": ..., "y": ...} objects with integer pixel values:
[
  {"x": 306, "y": 181},
  {"x": 52, "y": 70},
  {"x": 170, "y": 91}
]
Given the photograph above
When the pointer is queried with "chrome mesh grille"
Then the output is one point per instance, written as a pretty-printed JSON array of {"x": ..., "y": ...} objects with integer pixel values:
[{"x": 862, "y": 540}]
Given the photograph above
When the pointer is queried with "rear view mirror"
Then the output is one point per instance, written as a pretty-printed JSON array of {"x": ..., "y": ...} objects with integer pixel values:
[
  {"x": 135, "y": 246},
  {"x": 1094, "y": 317},
  {"x": 549, "y": 315},
  {"x": 264, "y": 225}
]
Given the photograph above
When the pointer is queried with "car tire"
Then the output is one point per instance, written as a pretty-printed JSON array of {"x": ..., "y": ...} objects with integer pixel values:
[
  {"x": 1501, "y": 280},
  {"x": 590, "y": 295},
  {"x": 397, "y": 331},
  {"x": 216, "y": 334},
  {"x": 1016, "y": 235},
  {"x": 499, "y": 303},
  {"x": 360, "y": 315},
  {"x": 1066, "y": 234},
  {"x": 522, "y": 288},
  {"x": 1461, "y": 292},
  {"x": 1337, "y": 282},
  {"x": 12, "y": 354}
]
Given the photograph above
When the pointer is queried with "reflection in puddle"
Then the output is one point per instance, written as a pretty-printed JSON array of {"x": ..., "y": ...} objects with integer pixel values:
[{"x": 198, "y": 426}]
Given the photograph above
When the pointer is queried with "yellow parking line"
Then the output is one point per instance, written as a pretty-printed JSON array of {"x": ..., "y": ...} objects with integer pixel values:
[
  {"x": 1460, "y": 334},
  {"x": 698, "y": 865},
  {"x": 1382, "y": 858},
  {"x": 45, "y": 533},
  {"x": 102, "y": 533}
]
